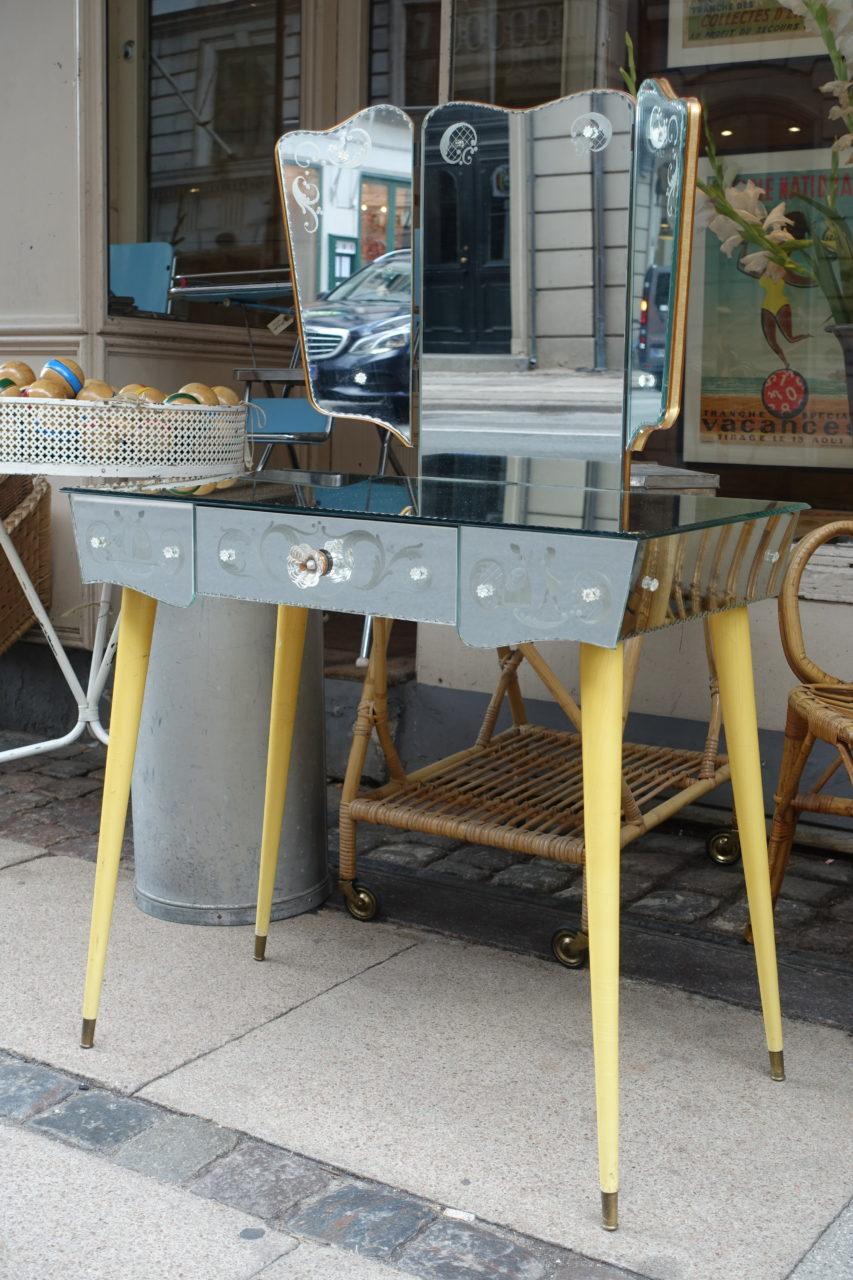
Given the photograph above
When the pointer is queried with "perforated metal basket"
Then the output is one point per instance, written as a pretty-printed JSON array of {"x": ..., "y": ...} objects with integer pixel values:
[{"x": 123, "y": 439}]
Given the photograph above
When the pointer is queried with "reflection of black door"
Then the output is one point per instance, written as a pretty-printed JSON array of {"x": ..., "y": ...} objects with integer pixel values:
[{"x": 466, "y": 305}]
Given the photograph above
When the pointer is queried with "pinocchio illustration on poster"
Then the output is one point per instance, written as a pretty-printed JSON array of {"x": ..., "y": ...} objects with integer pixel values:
[{"x": 765, "y": 381}]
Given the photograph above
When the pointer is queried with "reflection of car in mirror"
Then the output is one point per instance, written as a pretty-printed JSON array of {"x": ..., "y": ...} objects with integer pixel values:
[
  {"x": 651, "y": 338},
  {"x": 358, "y": 339}
]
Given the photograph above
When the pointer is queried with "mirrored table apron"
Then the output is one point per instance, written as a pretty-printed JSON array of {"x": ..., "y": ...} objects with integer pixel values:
[{"x": 526, "y": 558}]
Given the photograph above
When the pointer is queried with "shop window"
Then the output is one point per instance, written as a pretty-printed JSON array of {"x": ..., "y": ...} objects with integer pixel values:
[
  {"x": 755, "y": 334},
  {"x": 343, "y": 259},
  {"x": 385, "y": 218},
  {"x": 198, "y": 94}
]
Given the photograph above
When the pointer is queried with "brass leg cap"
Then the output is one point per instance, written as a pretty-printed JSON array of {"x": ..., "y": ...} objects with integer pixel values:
[
  {"x": 777, "y": 1064},
  {"x": 87, "y": 1036},
  {"x": 260, "y": 946},
  {"x": 610, "y": 1210}
]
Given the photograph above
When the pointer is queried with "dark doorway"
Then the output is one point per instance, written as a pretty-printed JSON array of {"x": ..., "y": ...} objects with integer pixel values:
[{"x": 466, "y": 289}]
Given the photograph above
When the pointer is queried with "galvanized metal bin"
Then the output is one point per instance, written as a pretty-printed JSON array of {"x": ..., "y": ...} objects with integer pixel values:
[{"x": 198, "y": 789}]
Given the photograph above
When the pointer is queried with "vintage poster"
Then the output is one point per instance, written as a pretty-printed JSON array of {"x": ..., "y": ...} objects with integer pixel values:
[
  {"x": 705, "y": 32},
  {"x": 764, "y": 381}
]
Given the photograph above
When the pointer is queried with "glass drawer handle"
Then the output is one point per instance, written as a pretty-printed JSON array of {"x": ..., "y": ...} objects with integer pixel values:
[
  {"x": 96, "y": 542},
  {"x": 228, "y": 555},
  {"x": 307, "y": 565},
  {"x": 171, "y": 553}
]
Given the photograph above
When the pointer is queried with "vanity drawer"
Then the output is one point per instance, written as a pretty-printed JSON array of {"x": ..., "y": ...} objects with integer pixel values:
[
  {"x": 393, "y": 569},
  {"x": 518, "y": 585},
  {"x": 144, "y": 545}
]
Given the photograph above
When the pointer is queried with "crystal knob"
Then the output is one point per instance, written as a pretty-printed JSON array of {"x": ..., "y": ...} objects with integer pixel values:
[
  {"x": 228, "y": 555},
  {"x": 171, "y": 553},
  {"x": 97, "y": 541},
  {"x": 306, "y": 565},
  {"x": 771, "y": 556},
  {"x": 420, "y": 575}
]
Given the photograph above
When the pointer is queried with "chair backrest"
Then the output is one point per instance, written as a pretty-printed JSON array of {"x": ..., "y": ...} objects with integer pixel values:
[
  {"x": 142, "y": 272},
  {"x": 790, "y": 626}
]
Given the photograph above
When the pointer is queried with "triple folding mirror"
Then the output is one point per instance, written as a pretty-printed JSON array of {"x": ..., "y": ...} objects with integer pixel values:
[{"x": 496, "y": 282}]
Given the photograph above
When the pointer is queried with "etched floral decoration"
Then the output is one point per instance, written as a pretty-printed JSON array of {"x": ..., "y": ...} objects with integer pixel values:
[
  {"x": 664, "y": 137},
  {"x": 303, "y": 188},
  {"x": 351, "y": 147},
  {"x": 591, "y": 132}
]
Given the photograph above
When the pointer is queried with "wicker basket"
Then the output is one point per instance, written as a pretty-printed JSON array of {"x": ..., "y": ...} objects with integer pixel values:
[{"x": 25, "y": 511}]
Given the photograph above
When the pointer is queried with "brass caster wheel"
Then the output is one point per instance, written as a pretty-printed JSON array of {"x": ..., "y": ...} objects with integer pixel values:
[
  {"x": 570, "y": 949},
  {"x": 724, "y": 847},
  {"x": 361, "y": 903}
]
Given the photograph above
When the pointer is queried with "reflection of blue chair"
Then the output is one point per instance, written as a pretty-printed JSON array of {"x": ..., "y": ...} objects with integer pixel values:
[
  {"x": 281, "y": 419},
  {"x": 142, "y": 272}
]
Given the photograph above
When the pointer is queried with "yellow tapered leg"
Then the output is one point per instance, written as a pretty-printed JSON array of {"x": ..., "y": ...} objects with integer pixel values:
[
  {"x": 134, "y": 647},
  {"x": 287, "y": 669},
  {"x": 601, "y": 678},
  {"x": 733, "y": 656}
]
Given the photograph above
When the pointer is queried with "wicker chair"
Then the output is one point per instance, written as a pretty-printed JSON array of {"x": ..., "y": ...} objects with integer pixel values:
[{"x": 819, "y": 709}]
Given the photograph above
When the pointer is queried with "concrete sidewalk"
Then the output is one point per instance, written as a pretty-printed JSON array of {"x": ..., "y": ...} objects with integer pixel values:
[{"x": 378, "y": 1101}]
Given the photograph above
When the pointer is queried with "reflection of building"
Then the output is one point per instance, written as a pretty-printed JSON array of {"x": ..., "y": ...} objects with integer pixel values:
[
  {"x": 367, "y": 210},
  {"x": 515, "y": 217},
  {"x": 218, "y": 96}
]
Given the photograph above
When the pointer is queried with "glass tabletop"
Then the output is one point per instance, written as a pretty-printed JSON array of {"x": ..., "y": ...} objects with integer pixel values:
[{"x": 517, "y": 492}]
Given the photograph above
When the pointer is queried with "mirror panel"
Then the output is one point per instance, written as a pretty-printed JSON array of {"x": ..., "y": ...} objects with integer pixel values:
[
  {"x": 659, "y": 270},
  {"x": 347, "y": 199},
  {"x": 524, "y": 286}
]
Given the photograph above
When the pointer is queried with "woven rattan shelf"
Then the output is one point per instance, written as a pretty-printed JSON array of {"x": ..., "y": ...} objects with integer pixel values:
[
  {"x": 523, "y": 792},
  {"x": 519, "y": 790}
]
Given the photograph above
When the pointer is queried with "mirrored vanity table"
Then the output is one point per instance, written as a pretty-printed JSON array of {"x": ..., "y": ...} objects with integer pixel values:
[{"x": 527, "y": 397}]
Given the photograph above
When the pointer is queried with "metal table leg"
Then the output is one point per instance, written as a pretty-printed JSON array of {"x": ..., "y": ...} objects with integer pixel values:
[
  {"x": 733, "y": 655},
  {"x": 137, "y": 627},
  {"x": 601, "y": 678},
  {"x": 287, "y": 669}
]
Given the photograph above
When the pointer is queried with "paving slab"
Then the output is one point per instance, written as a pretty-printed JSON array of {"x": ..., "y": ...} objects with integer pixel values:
[
  {"x": 261, "y": 1180},
  {"x": 67, "y": 1213},
  {"x": 450, "y": 1250},
  {"x": 171, "y": 991},
  {"x": 27, "y": 1088},
  {"x": 369, "y": 1220},
  {"x": 318, "y": 1262},
  {"x": 176, "y": 1149},
  {"x": 831, "y": 1258},
  {"x": 97, "y": 1120},
  {"x": 15, "y": 851},
  {"x": 464, "y": 1075}
]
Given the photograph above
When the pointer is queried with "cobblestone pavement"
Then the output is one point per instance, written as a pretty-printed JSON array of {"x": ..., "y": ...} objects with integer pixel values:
[{"x": 54, "y": 802}]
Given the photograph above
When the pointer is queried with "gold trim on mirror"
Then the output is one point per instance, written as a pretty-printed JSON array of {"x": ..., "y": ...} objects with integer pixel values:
[{"x": 676, "y": 353}]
